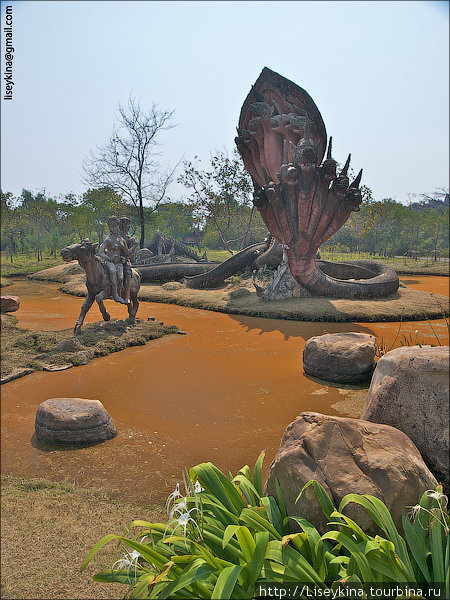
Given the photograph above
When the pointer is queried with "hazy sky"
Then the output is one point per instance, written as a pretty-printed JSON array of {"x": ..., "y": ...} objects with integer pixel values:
[{"x": 378, "y": 72}]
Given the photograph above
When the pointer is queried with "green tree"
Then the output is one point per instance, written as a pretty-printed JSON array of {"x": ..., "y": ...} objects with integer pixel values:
[
  {"x": 217, "y": 196},
  {"x": 174, "y": 219},
  {"x": 10, "y": 221},
  {"x": 102, "y": 203},
  {"x": 37, "y": 211}
]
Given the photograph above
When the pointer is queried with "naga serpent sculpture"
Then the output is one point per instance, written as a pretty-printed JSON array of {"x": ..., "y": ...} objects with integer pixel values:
[{"x": 302, "y": 200}]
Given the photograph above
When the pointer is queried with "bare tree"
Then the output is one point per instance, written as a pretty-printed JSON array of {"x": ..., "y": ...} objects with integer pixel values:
[{"x": 130, "y": 161}]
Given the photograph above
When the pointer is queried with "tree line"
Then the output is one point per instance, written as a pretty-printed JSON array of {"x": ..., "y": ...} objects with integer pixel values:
[{"x": 34, "y": 223}]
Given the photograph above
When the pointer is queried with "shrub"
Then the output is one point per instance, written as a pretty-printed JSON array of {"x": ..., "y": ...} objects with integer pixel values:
[{"x": 225, "y": 539}]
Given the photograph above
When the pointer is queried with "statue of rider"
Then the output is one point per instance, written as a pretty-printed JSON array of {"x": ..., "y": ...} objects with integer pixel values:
[
  {"x": 114, "y": 253},
  {"x": 132, "y": 245}
]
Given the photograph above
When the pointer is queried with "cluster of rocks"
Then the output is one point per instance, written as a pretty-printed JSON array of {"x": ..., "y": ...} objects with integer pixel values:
[{"x": 397, "y": 449}]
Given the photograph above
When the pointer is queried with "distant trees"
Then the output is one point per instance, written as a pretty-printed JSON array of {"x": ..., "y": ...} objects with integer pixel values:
[
  {"x": 129, "y": 162},
  {"x": 10, "y": 222},
  {"x": 221, "y": 197},
  {"x": 219, "y": 211},
  {"x": 391, "y": 228},
  {"x": 101, "y": 203}
]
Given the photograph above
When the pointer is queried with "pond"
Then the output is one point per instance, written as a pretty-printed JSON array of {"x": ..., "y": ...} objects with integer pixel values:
[{"x": 221, "y": 393}]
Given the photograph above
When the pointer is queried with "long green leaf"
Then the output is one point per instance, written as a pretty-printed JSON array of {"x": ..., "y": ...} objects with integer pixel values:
[
  {"x": 417, "y": 547},
  {"x": 322, "y": 496},
  {"x": 361, "y": 560},
  {"x": 280, "y": 499},
  {"x": 198, "y": 571},
  {"x": 226, "y": 583},
  {"x": 273, "y": 514},
  {"x": 213, "y": 480},
  {"x": 122, "y": 576},
  {"x": 258, "y": 523},
  {"x": 382, "y": 517},
  {"x": 105, "y": 539},
  {"x": 246, "y": 542},
  {"x": 255, "y": 566},
  {"x": 229, "y": 532},
  {"x": 247, "y": 488},
  {"x": 347, "y": 522},
  {"x": 257, "y": 473},
  {"x": 437, "y": 551}
]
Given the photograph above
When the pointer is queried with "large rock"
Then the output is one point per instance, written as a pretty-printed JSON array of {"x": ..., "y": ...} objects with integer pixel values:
[
  {"x": 340, "y": 357},
  {"x": 347, "y": 456},
  {"x": 73, "y": 421},
  {"x": 9, "y": 303},
  {"x": 410, "y": 391}
]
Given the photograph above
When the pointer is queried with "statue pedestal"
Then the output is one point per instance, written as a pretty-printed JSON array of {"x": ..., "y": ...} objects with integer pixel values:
[{"x": 282, "y": 286}]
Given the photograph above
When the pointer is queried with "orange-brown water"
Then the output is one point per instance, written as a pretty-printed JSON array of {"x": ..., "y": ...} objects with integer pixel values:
[{"x": 223, "y": 392}]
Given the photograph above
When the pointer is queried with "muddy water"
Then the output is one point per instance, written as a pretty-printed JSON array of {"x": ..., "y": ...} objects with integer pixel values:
[{"x": 224, "y": 392}]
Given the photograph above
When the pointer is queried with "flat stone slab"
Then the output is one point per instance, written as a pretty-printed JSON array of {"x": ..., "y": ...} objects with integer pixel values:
[
  {"x": 340, "y": 357},
  {"x": 410, "y": 391},
  {"x": 9, "y": 303},
  {"x": 73, "y": 421}
]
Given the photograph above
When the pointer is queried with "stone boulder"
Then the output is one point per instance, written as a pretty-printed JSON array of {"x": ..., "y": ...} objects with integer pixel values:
[
  {"x": 9, "y": 303},
  {"x": 347, "y": 456},
  {"x": 410, "y": 391},
  {"x": 340, "y": 357},
  {"x": 73, "y": 421}
]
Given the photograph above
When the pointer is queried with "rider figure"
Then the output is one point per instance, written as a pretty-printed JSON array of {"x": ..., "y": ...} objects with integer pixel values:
[
  {"x": 132, "y": 244},
  {"x": 114, "y": 251}
]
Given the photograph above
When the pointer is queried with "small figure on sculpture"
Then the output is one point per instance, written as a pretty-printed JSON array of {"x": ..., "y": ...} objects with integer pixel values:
[
  {"x": 132, "y": 244},
  {"x": 114, "y": 252}
]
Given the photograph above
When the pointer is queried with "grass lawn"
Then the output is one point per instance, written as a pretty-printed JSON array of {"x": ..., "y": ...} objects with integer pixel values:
[
  {"x": 24, "y": 264},
  {"x": 48, "y": 528},
  {"x": 406, "y": 266}
]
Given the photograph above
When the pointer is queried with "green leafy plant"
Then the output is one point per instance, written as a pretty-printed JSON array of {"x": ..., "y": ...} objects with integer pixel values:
[{"x": 225, "y": 539}]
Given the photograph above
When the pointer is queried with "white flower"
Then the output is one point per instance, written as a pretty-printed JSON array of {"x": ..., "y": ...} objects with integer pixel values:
[
  {"x": 183, "y": 520},
  {"x": 436, "y": 495},
  {"x": 173, "y": 496},
  {"x": 128, "y": 561},
  {"x": 179, "y": 507},
  {"x": 198, "y": 488}
]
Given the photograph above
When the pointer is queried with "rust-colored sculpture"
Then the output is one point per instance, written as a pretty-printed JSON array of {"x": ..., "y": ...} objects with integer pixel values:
[
  {"x": 132, "y": 245},
  {"x": 114, "y": 253},
  {"x": 97, "y": 281},
  {"x": 303, "y": 201}
]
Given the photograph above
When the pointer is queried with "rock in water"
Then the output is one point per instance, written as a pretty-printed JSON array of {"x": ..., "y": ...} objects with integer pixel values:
[
  {"x": 9, "y": 303},
  {"x": 73, "y": 421},
  {"x": 340, "y": 357},
  {"x": 410, "y": 391},
  {"x": 347, "y": 456}
]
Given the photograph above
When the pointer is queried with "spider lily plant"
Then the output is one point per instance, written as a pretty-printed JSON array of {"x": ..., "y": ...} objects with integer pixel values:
[{"x": 225, "y": 539}]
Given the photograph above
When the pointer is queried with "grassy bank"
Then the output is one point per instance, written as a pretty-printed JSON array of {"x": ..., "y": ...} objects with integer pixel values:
[
  {"x": 403, "y": 266},
  {"x": 48, "y": 528},
  {"x": 24, "y": 264},
  {"x": 24, "y": 351}
]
